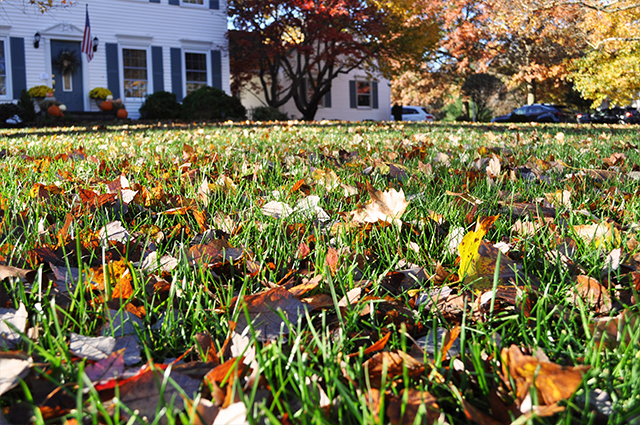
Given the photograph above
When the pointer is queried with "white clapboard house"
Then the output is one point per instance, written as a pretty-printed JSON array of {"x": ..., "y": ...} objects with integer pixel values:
[
  {"x": 141, "y": 46},
  {"x": 356, "y": 96}
]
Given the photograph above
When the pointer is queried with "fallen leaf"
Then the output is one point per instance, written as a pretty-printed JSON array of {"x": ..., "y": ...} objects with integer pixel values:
[
  {"x": 277, "y": 209},
  {"x": 551, "y": 381},
  {"x": 493, "y": 167},
  {"x": 214, "y": 252},
  {"x": 263, "y": 313},
  {"x": 379, "y": 345},
  {"x": 350, "y": 297},
  {"x": 222, "y": 373},
  {"x": 476, "y": 415},
  {"x": 470, "y": 244},
  {"x": 11, "y": 318},
  {"x": 600, "y": 235},
  {"x": 13, "y": 367},
  {"x": 401, "y": 412},
  {"x": 385, "y": 206},
  {"x": 306, "y": 286},
  {"x": 394, "y": 363},
  {"x": 593, "y": 293},
  {"x": 109, "y": 367},
  {"x": 332, "y": 260},
  {"x": 235, "y": 414},
  {"x": 145, "y": 393},
  {"x": 92, "y": 348},
  {"x": 114, "y": 231},
  {"x": 204, "y": 413},
  {"x": 9, "y": 271}
]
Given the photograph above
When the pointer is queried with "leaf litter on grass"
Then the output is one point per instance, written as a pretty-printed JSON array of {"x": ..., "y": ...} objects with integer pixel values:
[{"x": 364, "y": 273}]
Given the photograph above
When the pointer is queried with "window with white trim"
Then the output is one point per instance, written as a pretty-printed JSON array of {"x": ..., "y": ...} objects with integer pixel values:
[
  {"x": 135, "y": 72},
  {"x": 363, "y": 94},
  {"x": 194, "y": 2},
  {"x": 195, "y": 65},
  {"x": 3, "y": 70}
]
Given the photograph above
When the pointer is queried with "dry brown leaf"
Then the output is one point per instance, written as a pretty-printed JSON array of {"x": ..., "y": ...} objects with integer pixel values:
[
  {"x": 476, "y": 415},
  {"x": 350, "y": 297},
  {"x": 395, "y": 362},
  {"x": 593, "y": 293},
  {"x": 332, "y": 260},
  {"x": 222, "y": 373},
  {"x": 9, "y": 271},
  {"x": 204, "y": 413},
  {"x": 374, "y": 399},
  {"x": 415, "y": 399},
  {"x": 551, "y": 381},
  {"x": 117, "y": 275},
  {"x": 600, "y": 235},
  {"x": 263, "y": 313},
  {"x": 306, "y": 286},
  {"x": 379, "y": 345},
  {"x": 384, "y": 206},
  {"x": 303, "y": 250}
]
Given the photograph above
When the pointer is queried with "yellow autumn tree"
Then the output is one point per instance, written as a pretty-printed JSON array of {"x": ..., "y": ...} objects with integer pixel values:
[{"x": 610, "y": 70}]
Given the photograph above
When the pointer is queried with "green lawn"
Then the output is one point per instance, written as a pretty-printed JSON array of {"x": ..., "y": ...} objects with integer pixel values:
[{"x": 327, "y": 273}]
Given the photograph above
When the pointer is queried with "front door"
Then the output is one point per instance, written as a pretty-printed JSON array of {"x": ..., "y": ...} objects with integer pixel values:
[{"x": 66, "y": 70}]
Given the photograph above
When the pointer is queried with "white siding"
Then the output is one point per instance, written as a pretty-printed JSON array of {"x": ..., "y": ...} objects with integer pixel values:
[
  {"x": 161, "y": 24},
  {"x": 340, "y": 101}
]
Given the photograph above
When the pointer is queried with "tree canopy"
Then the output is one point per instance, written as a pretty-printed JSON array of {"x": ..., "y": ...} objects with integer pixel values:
[
  {"x": 42, "y": 5},
  {"x": 296, "y": 48},
  {"x": 545, "y": 50}
]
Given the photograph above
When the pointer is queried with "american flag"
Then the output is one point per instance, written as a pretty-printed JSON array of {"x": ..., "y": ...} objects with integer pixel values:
[{"x": 87, "y": 41}]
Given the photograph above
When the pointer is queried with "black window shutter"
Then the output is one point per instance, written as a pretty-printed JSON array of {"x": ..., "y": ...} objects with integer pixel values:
[
  {"x": 327, "y": 99},
  {"x": 176, "y": 72},
  {"x": 214, "y": 4},
  {"x": 158, "y": 68},
  {"x": 174, "y": 2},
  {"x": 154, "y": 1},
  {"x": 113, "y": 69},
  {"x": 216, "y": 69},
  {"x": 18, "y": 67},
  {"x": 374, "y": 94},
  {"x": 352, "y": 94}
]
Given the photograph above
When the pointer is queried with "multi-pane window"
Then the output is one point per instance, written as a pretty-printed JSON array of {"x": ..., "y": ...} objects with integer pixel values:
[
  {"x": 134, "y": 64},
  {"x": 196, "y": 70},
  {"x": 363, "y": 91},
  {"x": 193, "y": 1},
  {"x": 3, "y": 70}
]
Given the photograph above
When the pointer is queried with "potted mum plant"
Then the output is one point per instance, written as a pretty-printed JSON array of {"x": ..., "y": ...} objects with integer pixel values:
[
  {"x": 101, "y": 95},
  {"x": 39, "y": 94}
]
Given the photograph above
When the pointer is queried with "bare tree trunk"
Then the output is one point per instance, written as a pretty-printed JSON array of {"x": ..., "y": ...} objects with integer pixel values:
[
  {"x": 465, "y": 109},
  {"x": 531, "y": 93}
]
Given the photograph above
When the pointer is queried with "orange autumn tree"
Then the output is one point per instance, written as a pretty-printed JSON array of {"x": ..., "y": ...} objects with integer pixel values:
[
  {"x": 527, "y": 43},
  {"x": 464, "y": 47},
  {"x": 535, "y": 44}
]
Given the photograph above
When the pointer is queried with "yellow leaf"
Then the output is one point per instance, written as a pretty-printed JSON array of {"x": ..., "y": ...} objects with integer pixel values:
[{"x": 470, "y": 244}]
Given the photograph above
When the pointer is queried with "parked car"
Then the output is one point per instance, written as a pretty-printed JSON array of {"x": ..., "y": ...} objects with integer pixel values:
[
  {"x": 605, "y": 116},
  {"x": 415, "y": 113},
  {"x": 539, "y": 112},
  {"x": 627, "y": 115},
  {"x": 583, "y": 117},
  {"x": 616, "y": 115}
]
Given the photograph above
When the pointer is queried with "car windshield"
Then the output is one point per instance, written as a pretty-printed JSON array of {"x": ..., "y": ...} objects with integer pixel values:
[{"x": 521, "y": 111}]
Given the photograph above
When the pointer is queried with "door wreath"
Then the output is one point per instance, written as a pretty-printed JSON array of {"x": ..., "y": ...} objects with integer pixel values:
[{"x": 67, "y": 61}]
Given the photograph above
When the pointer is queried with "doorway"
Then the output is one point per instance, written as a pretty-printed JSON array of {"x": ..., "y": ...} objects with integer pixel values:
[{"x": 66, "y": 72}]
